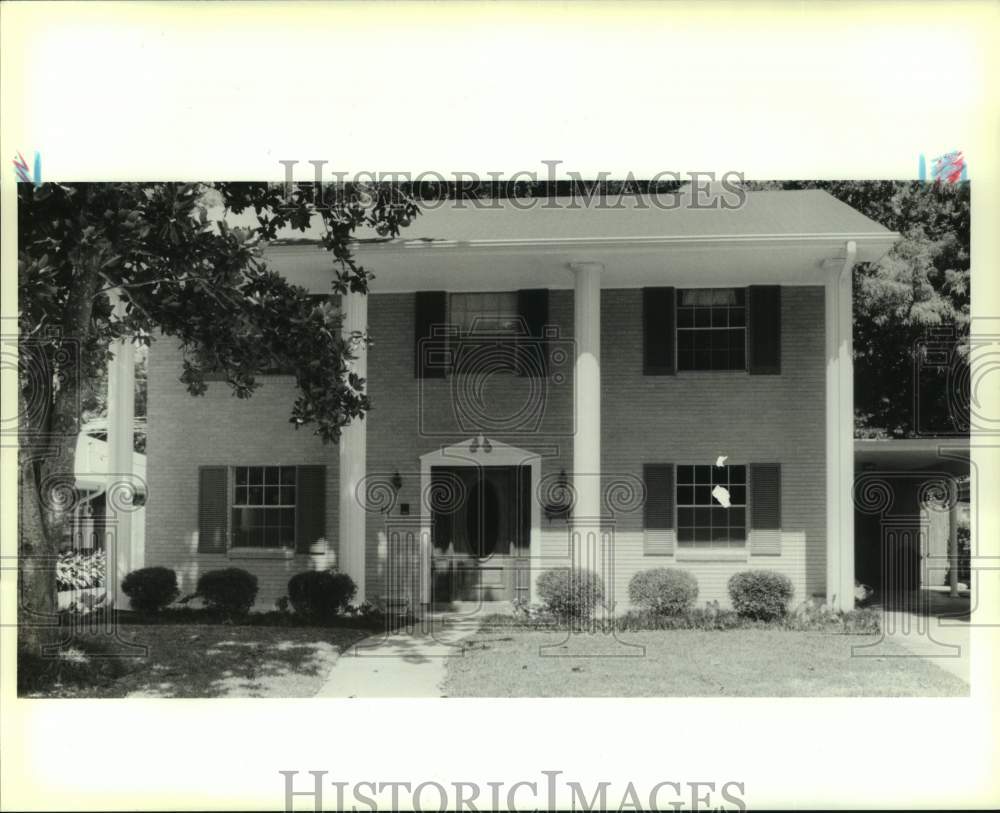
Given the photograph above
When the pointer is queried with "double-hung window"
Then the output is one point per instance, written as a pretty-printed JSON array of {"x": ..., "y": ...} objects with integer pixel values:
[
  {"x": 490, "y": 313},
  {"x": 263, "y": 512},
  {"x": 703, "y": 520},
  {"x": 714, "y": 329},
  {"x": 711, "y": 329}
]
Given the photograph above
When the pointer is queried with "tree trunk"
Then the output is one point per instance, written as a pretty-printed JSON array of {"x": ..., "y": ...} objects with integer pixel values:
[{"x": 46, "y": 468}]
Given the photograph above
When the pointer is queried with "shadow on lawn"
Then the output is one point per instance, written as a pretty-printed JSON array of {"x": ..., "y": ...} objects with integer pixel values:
[{"x": 190, "y": 661}]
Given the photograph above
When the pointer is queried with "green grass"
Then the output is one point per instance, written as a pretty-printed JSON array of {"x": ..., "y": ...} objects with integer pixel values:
[
  {"x": 689, "y": 663},
  {"x": 195, "y": 660}
]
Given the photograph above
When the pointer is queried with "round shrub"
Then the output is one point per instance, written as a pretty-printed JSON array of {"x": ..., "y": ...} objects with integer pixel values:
[
  {"x": 321, "y": 594},
  {"x": 150, "y": 589},
  {"x": 571, "y": 594},
  {"x": 663, "y": 591},
  {"x": 231, "y": 590},
  {"x": 760, "y": 594}
]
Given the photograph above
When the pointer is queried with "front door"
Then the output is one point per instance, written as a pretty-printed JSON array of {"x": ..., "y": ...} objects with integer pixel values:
[{"x": 481, "y": 531}]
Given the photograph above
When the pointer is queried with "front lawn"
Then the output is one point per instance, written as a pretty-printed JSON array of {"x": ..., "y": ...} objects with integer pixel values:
[
  {"x": 689, "y": 663},
  {"x": 201, "y": 660}
]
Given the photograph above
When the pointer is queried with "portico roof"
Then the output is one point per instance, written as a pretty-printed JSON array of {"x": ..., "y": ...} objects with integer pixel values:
[{"x": 781, "y": 236}]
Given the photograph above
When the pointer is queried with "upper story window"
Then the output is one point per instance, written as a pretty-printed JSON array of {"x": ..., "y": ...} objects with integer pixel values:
[
  {"x": 490, "y": 312},
  {"x": 481, "y": 332},
  {"x": 711, "y": 329}
]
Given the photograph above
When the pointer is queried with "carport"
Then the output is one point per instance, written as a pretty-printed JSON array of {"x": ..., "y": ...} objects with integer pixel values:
[{"x": 911, "y": 498}]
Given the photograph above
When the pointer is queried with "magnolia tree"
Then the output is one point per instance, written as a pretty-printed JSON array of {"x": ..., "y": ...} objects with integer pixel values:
[{"x": 104, "y": 262}]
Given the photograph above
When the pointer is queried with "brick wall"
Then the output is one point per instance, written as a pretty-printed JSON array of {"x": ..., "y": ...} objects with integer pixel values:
[
  {"x": 693, "y": 417},
  {"x": 687, "y": 418},
  {"x": 185, "y": 432}
]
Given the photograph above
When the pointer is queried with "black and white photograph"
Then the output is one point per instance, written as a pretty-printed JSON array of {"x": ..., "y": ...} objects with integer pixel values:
[
  {"x": 572, "y": 439},
  {"x": 366, "y": 475}
]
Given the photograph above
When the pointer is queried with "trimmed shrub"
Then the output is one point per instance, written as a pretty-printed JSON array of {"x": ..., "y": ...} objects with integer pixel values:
[
  {"x": 230, "y": 590},
  {"x": 571, "y": 594},
  {"x": 150, "y": 589},
  {"x": 321, "y": 594},
  {"x": 663, "y": 591},
  {"x": 760, "y": 594}
]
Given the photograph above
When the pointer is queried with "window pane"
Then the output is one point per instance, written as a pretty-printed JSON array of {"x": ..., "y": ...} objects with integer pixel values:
[
  {"x": 271, "y": 474},
  {"x": 685, "y": 495},
  {"x": 256, "y": 495},
  {"x": 271, "y": 494},
  {"x": 241, "y": 476},
  {"x": 710, "y": 523},
  {"x": 288, "y": 475},
  {"x": 255, "y": 475}
]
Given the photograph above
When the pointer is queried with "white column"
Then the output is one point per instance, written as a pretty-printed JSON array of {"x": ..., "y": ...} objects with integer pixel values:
[
  {"x": 587, "y": 396},
  {"x": 353, "y": 464},
  {"x": 121, "y": 432},
  {"x": 840, "y": 435}
]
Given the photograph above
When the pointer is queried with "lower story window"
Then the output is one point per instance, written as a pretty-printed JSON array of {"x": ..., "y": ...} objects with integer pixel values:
[
  {"x": 703, "y": 519},
  {"x": 264, "y": 507}
]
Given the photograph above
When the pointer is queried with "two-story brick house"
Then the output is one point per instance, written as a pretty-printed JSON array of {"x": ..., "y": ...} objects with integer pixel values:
[{"x": 519, "y": 355}]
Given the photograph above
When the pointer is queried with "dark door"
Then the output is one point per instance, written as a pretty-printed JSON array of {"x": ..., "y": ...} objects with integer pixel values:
[{"x": 481, "y": 529}]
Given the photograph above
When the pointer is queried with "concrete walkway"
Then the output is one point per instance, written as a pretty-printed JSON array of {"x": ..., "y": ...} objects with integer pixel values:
[
  {"x": 943, "y": 642},
  {"x": 932, "y": 625},
  {"x": 408, "y": 662}
]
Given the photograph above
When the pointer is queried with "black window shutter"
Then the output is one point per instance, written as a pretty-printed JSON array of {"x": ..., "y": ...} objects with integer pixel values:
[
  {"x": 310, "y": 506},
  {"x": 764, "y": 329},
  {"x": 213, "y": 509},
  {"x": 430, "y": 346},
  {"x": 533, "y": 308},
  {"x": 658, "y": 331},
  {"x": 765, "y": 496},
  {"x": 658, "y": 512}
]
